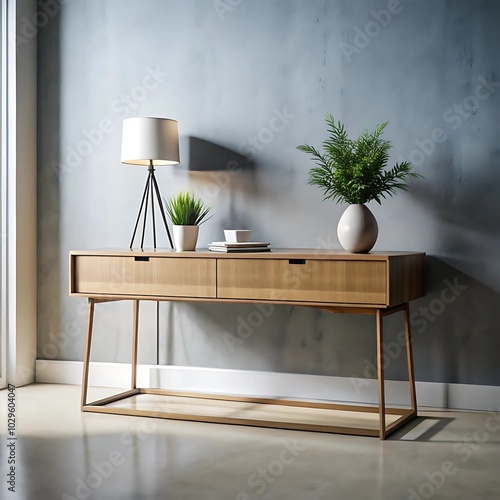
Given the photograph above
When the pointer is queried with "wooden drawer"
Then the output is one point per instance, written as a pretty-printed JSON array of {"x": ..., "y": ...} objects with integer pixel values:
[
  {"x": 334, "y": 281},
  {"x": 170, "y": 277}
]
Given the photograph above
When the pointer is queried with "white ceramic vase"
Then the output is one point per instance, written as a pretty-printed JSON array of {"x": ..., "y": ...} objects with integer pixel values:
[
  {"x": 357, "y": 229},
  {"x": 185, "y": 237}
]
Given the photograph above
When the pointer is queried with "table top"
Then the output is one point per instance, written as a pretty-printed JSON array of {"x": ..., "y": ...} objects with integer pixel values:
[{"x": 275, "y": 253}]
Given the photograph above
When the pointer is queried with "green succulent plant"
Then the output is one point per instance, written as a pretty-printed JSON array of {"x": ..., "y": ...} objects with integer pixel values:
[
  {"x": 186, "y": 209},
  {"x": 353, "y": 170}
]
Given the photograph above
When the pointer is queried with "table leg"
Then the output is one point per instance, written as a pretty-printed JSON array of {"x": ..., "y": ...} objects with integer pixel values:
[
  {"x": 380, "y": 373},
  {"x": 409, "y": 359},
  {"x": 135, "y": 331},
  {"x": 86, "y": 356}
]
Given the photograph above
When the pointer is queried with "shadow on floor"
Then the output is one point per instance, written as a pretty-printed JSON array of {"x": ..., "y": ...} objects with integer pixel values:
[{"x": 422, "y": 429}]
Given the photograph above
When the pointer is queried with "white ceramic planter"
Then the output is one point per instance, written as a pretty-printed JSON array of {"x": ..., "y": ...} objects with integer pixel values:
[
  {"x": 357, "y": 229},
  {"x": 185, "y": 237}
]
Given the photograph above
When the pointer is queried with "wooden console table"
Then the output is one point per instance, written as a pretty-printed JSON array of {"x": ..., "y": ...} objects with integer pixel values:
[{"x": 378, "y": 283}]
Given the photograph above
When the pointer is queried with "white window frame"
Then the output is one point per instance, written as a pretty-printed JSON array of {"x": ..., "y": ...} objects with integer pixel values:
[
  {"x": 3, "y": 194},
  {"x": 19, "y": 272}
]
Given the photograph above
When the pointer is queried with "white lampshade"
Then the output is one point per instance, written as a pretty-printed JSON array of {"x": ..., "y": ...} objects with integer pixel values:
[{"x": 146, "y": 140}]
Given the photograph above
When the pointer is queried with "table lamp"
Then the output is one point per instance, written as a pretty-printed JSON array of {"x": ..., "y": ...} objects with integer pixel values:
[{"x": 150, "y": 142}]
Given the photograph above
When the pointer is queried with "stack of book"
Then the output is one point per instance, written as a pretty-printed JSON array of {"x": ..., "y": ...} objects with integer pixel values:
[{"x": 233, "y": 246}]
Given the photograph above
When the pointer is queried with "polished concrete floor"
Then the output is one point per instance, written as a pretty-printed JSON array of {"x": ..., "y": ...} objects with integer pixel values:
[{"x": 62, "y": 454}]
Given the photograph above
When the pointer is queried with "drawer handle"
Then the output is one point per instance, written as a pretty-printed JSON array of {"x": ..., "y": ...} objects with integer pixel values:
[
  {"x": 297, "y": 261},
  {"x": 141, "y": 259}
]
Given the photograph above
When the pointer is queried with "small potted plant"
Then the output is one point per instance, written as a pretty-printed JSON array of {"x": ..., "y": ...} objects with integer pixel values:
[
  {"x": 187, "y": 212},
  {"x": 353, "y": 171}
]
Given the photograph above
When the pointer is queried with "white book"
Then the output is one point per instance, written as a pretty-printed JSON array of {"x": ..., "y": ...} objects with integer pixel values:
[
  {"x": 238, "y": 249},
  {"x": 236, "y": 244}
]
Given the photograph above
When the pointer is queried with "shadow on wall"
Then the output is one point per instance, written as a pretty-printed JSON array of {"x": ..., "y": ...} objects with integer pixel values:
[
  {"x": 220, "y": 172},
  {"x": 456, "y": 324},
  {"x": 49, "y": 178},
  {"x": 455, "y": 328},
  {"x": 454, "y": 335},
  {"x": 465, "y": 212},
  {"x": 205, "y": 156}
]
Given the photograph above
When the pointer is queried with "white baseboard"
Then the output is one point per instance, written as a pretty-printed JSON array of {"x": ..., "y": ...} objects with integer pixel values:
[{"x": 269, "y": 384}]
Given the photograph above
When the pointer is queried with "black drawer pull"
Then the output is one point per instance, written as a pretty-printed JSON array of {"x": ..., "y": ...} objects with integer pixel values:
[
  {"x": 297, "y": 261},
  {"x": 141, "y": 259}
]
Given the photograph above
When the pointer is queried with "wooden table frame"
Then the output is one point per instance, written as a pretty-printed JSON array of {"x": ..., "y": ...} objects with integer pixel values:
[
  {"x": 378, "y": 284},
  {"x": 405, "y": 415}
]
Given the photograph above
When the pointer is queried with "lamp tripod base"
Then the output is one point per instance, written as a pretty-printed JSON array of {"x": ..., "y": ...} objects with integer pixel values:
[{"x": 151, "y": 193}]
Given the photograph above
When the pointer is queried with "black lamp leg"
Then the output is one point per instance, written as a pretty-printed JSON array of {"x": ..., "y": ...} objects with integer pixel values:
[
  {"x": 151, "y": 177},
  {"x": 139, "y": 214},
  {"x": 150, "y": 191},
  {"x": 145, "y": 214},
  {"x": 162, "y": 210}
]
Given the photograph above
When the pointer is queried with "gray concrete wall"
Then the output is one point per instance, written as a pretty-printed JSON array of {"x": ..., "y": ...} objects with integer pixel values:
[{"x": 225, "y": 70}]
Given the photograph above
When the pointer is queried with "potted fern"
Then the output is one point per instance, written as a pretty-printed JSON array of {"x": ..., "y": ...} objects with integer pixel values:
[
  {"x": 187, "y": 212},
  {"x": 354, "y": 171}
]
